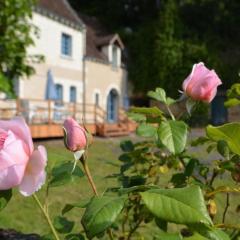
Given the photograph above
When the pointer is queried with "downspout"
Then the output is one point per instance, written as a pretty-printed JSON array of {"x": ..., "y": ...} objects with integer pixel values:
[{"x": 84, "y": 77}]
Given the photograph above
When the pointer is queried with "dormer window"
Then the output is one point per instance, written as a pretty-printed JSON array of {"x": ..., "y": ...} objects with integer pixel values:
[
  {"x": 66, "y": 45},
  {"x": 114, "y": 56}
]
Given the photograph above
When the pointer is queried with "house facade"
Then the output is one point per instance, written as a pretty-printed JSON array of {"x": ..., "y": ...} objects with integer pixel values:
[{"x": 83, "y": 62}]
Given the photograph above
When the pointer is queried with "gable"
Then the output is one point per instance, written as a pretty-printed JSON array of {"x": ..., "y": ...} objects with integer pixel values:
[{"x": 59, "y": 10}]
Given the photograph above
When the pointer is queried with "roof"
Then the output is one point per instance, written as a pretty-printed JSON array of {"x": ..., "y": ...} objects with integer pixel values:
[
  {"x": 97, "y": 37},
  {"x": 60, "y": 8}
]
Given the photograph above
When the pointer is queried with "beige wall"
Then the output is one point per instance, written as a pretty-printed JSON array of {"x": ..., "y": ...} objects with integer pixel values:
[
  {"x": 66, "y": 70},
  {"x": 35, "y": 86},
  {"x": 102, "y": 78}
]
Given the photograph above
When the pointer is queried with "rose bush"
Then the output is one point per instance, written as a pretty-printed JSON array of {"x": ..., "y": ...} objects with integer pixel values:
[{"x": 189, "y": 198}]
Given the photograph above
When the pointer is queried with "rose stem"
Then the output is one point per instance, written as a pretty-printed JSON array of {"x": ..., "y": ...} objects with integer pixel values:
[
  {"x": 89, "y": 176},
  {"x": 90, "y": 179},
  {"x": 46, "y": 216}
]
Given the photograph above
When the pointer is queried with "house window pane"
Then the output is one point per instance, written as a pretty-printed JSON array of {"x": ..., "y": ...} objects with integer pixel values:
[
  {"x": 73, "y": 94},
  {"x": 114, "y": 57},
  {"x": 59, "y": 92},
  {"x": 97, "y": 99},
  {"x": 66, "y": 45}
]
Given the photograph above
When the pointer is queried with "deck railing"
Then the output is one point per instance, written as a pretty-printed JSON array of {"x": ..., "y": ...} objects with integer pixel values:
[
  {"x": 54, "y": 112},
  {"x": 49, "y": 111}
]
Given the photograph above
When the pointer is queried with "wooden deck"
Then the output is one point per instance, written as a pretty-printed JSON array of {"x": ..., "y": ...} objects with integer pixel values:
[{"x": 45, "y": 118}]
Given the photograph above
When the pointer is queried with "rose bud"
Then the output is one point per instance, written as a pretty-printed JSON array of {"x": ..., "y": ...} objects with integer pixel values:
[
  {"x": 75, "y": 136},
  {"x": 201, "y": 84},
  {"x": 20, "y": 164}
]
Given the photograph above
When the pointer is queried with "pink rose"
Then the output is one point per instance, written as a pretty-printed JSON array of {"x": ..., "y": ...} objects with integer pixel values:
[
  {"x": 202, "y": 83},
  {"x": 20, "y": 164},
  {"x": 76, "y": 136}
]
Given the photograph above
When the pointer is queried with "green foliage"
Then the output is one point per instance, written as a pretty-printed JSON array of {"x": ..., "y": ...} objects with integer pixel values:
[
  {"x": 5, "y": 197},
  {"x": 16, "y": 34},
  {"x": 179, "y": 33},
  {"x": 63, "y": 225},
  {"x": 173, "y": 135},
  {"x": 159, "y": 184},
  {"x": 64, "y": 173},
  {"x": 101, "y": 213},
  {"x": 228, "y": 133},
  {"x": 233, "y": 95},
  {"x": 182, "y": 206},
  {"x": 146, "y": 130}
]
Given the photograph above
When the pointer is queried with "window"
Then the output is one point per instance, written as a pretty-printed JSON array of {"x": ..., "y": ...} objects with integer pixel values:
[
  {"x": 73, "y": 94},
  {"x": 97, "y": 99},
  {"x": 59, "y": 92},
  {"x": 66, "y": 45},
  {"x": 114, "y": 57}
]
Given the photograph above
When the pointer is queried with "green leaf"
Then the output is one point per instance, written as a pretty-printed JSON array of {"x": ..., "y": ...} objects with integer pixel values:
[
  {"x": 211, "y": 233},
  {"x": 199, "y": 141},
  {"x": 190, "y": 167},
  {"x": 179, "y": 205},
  {"x": 138, "y": 117},
  {"x": 5, "y": 196},
  {"x": 159, "y": 94},
  {"x": 127, "y": 146},
  {"x": 64, "y": 174},
  {"x": 232, "y": 102},
  {"x": 146, "y": 130},
  {"x": 170, "y": 101},
  {"x": 68, "y": 207},
  {"x": 125, "y": 157},
  {"x": 75, "y": 236},
  {"x": 63, "y": 225},
  {"x": 139, "y": 188},
  {"x": 101, "y": 213},
  {"x": 223, "y": 149},
  {"x": 195, "y": 236},
  {"x": 173, "y": 135},
  {"x": 168, "y": 236},
  {"x": 229, "y": 132},
  {"x": 190, "y": 104},
  {"x": 152, "y": 111},
  {"x": 161, "y": 224}
]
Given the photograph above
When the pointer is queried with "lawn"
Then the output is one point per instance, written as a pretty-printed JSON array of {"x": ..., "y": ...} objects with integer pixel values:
[{"x": 23, "y": 214}]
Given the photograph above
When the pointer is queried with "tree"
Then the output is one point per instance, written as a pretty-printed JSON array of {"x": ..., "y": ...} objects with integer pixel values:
[
  {"x": 15, "y": 37},
  {"x": 167, "y": 37}
]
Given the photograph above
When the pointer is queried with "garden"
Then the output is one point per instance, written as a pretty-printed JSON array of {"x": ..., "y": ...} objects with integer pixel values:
[{"x": 160, "y": 185}]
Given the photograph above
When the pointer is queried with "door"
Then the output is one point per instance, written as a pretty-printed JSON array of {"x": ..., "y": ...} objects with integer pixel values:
[{"x": 112, "y": 106}]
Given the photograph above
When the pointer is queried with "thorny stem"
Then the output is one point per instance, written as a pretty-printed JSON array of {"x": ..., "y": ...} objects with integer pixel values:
[
  {"x": 46, "y": 216},
  {"x": 226, "y": 208}
]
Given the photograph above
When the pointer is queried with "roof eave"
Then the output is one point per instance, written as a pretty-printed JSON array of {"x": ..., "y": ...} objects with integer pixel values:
[{"x": 80, "y": 26}]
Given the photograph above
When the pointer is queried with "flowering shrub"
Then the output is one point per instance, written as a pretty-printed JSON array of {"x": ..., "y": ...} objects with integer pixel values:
[{"x": 188, "y": 200}]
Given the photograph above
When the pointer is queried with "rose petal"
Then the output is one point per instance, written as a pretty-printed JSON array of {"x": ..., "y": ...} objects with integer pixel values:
[
  {"x": 35, "y": 175},
  {"x": 75, "y": 135},
  {"x": 13, "y": 153},
  {"x": 19, "y": 127},
  {"x": 11, "y": 176}
]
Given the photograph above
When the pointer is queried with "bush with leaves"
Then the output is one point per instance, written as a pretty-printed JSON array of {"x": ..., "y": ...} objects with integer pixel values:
[{"x": 185, "y": 207}]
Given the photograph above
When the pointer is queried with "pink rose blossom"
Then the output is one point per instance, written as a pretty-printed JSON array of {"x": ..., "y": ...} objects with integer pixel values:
[
  {"x": 202, "y": 83},
  {"x": 20, "y": 164},
  {"x": 75, "y": 138}
]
